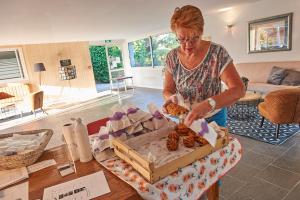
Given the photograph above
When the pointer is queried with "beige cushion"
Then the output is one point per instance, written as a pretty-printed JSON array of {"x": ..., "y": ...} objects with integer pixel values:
[{"x": 266, "y": 87}]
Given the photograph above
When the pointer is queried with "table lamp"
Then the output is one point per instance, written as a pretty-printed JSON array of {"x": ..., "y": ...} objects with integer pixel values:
[{"x": 39, "y": 67}]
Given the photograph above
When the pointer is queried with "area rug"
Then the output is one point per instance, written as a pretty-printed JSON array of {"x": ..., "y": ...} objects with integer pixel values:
[{"x": 250, "y": 128}]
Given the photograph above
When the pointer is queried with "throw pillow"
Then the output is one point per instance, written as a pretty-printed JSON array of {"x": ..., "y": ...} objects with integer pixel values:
[
  {"x": 292, "y": 78},
  {"x": 276, "y": 76},
  {"x": 4, "y": 95}
]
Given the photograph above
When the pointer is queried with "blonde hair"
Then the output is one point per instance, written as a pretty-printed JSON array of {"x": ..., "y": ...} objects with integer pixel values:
[{"x": 189, "y": 17}]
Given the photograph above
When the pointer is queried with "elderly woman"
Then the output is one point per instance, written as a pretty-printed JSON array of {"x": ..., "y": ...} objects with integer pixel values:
[{"x": 196, "y": 68}]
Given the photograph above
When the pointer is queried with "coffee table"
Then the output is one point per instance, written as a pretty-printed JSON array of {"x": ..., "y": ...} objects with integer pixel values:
[
  {"x": 8, "y": 110},
  {"x": 245, "y": 107}
]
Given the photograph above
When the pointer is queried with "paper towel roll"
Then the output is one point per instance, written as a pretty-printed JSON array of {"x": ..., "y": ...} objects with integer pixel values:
[{"x": 68, "y": 132}]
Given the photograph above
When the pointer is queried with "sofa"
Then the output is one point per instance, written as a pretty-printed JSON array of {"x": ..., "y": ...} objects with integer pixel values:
[
  {"x": 20, "y": 92},
  {"x": 258, "y": 74}
]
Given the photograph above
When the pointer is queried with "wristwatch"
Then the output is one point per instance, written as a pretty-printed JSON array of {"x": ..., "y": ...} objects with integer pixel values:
[{"x": 212, "y": 103}]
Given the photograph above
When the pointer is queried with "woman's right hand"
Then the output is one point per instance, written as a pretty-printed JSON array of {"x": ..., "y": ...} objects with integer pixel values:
[{"x": 172, "y": 99}]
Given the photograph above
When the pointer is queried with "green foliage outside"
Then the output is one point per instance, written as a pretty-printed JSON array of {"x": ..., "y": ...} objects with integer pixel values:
[
  {"x": 139, "y": 53},
  {"x": 161, "y": 45},
  {"x": 99, "y": 62}
]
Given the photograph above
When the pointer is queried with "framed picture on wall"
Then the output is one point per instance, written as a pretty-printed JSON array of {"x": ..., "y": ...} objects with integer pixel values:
[{"x": 270, "y": 34}]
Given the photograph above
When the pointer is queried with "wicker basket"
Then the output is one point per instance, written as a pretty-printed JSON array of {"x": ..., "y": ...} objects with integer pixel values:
[{"x": 28, "y": 158}]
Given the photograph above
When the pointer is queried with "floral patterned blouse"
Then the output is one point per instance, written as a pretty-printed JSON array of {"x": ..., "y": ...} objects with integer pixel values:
[{"x": 202, "y": 82}]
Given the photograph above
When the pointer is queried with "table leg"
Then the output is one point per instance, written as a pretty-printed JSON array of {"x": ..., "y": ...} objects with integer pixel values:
[
  {"x": 213, "y": 192},
  {"x": 118, "y": 86},
  {"x": 125, "y": 86},
  {"x": 111, "y": 86},
  {"x": 118, "y": 89},
  {"x": 132, "y": 85}
]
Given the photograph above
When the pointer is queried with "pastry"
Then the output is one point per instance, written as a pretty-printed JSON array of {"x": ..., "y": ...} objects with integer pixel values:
[
  {"x": 173, "y": 135},
  {"x": 191, "y": 133},
  {"x": 182, "y": 130},
  {"x": 189, "y": 141},
  {"x": 172, "y": 144},
  {"x": 175, "y": 109},
  {"x": 200, "y": 140}
]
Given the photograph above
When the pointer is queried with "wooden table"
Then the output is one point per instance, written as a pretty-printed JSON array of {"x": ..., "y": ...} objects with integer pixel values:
[
  {"x": 119, "y": 189},
  {"x": 50, "y": 176}
]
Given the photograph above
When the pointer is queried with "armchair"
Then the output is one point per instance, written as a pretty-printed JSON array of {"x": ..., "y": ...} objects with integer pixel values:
[
  {"x": 35, "y": 101},
  {"x": 281, "y": 107}
]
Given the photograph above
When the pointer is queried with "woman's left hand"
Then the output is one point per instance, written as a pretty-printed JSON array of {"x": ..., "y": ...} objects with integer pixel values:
[{"x": 198, "y": 111}]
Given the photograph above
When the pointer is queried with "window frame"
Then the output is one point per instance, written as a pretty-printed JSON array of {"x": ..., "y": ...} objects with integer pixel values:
[
  {"x": 150, "y": 46},
  {"x": 21, "y": 64},
  {"x": 151, "y": 49},
  {"x": 155, "y": 35}
]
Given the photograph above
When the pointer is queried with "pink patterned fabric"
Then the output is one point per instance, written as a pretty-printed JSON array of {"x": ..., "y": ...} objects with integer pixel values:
[
  {"x": 203, "y": 81},
  {"x": 189, "y": 182}
]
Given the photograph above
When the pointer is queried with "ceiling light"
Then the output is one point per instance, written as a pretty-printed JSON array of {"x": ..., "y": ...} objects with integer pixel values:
[{"x": 225, "y": 9}]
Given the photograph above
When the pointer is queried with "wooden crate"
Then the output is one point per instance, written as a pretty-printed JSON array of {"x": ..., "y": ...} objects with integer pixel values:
[{"x": 147, "y": 168}]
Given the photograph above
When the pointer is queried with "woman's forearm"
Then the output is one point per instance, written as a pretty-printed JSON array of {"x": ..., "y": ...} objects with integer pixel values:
[{"x": 236, "y": 88}]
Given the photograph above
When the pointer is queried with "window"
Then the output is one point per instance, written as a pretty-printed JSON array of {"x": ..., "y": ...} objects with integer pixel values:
[
  {"x": 161, "y": 45},
  {"x": 143, "y": 53},
  {"x": 11, "y": 65},
  {"x": 140, "y": 53}
]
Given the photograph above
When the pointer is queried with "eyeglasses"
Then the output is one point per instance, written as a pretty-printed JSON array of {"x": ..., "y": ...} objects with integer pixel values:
[{"x": 191, "y": 40}]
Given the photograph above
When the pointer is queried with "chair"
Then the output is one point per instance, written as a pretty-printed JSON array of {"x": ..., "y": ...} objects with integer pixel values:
[
  {"x": 35, "y": 101},
  {"x": 281, "y": 107}
]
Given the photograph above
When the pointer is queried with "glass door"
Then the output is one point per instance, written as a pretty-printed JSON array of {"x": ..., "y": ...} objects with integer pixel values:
[{"x": 115, "y": 63}]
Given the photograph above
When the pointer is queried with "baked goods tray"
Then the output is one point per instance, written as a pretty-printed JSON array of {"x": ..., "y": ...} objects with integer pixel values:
[{"x": 149, "y": 155}]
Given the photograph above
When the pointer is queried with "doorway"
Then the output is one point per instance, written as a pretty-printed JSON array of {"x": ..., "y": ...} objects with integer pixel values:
[
  {"x": 100, "y": 67},
  {"x": 107, "y": 62}
]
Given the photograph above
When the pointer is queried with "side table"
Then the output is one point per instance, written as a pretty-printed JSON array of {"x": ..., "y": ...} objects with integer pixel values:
[
  {"x": 8, "y": 110},
  {"x": 123, "y": 79},
  {"x": 245, "y": 107}
]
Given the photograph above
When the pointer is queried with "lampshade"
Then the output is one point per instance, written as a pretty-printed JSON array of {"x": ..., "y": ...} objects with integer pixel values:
[{"x": 39, "y": 67}]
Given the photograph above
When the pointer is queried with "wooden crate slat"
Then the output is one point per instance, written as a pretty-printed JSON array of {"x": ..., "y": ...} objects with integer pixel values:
[
  {"x": 146, "y": 174},
  {"x": 191, "y": 157},
  {"x": 131, "y": 152},
  {"x": 148, "y": 170}
]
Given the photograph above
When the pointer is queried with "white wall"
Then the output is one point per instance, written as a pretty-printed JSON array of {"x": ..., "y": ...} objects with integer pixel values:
[{"x": 235, "y": 41}]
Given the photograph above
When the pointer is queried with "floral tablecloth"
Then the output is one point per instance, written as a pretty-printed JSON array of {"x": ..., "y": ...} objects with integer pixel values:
[{"x": 189, "y": 182}]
